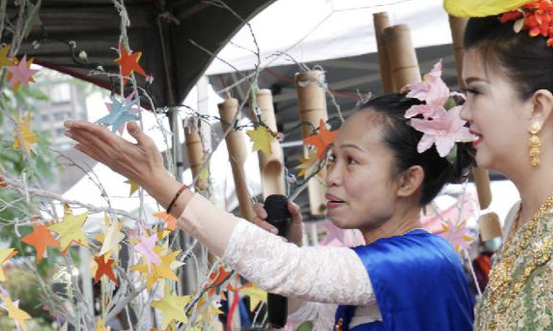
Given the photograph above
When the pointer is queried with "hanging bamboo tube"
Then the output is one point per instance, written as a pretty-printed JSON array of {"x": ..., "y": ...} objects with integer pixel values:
[
  {"x": 381, "y": 22},
  {"x": 490, "y": 227},
  {"x": 312, "y": 107},
  {"x": 481, "y": 176},
  {"x": 272, "y": 167},
  {"x": 236, "y": 146},
  {"x": 404, "y": 65},
  {"x": 196, "y": 157}
]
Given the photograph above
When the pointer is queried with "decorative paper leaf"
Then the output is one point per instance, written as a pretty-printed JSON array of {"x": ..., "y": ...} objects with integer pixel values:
[
  {"x": 134, "y": 187},
  {"x": 28, "y": 138},
  {"x": 5, "y": 255},
  {"x": 172, "y": 307},
  {"x": 111, "y": 238},
  {"x": 5, "y": 61},
  {"x": 21, "y": 73},
  {"x": 261, "y": 139},
  {"x": 163, "y": 270},
  {"x": 129, "y": 63},
  {"x": 70, "y": 229},
  {"x": 104, "y": 268},
  {"x": 322, "y": 140},
  {"x": 18, "y": 315},
  {"x": 120, "y": 113},
  {"x": 308, "y": 164},
  {"x": 100, "y": 326},
  {"x": 40, "y": 238},
  {"x": 170, "y": 219}
]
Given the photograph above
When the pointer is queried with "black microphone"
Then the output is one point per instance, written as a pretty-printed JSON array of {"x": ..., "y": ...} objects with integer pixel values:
[{"x": 280, "y": 217}]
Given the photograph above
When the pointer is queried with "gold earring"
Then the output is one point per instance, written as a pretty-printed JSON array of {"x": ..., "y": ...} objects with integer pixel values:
[{"x": 535, "y": 143}]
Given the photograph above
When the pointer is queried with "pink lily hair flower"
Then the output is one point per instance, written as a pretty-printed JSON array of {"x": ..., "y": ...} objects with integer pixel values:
[
  {"x": 432, "y": 90},
  {"x": 444, "y": 130},
  {"x": 441, "y": 123}
]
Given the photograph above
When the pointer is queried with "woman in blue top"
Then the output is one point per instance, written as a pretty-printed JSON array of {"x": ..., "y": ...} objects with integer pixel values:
[{"x": 383, "y": 169}]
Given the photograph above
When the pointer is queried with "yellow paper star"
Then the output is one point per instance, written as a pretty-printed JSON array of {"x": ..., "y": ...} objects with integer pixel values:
[
  {"x": 134, "y": 186},
  {"x": 70, "y": 229},
  {"x": 308, "y": 164},
  {"x": 5, "y": 61},
  {"x": 15, "y": 313},
  {"x": 210, "y": 312},
  {"x": 163, "y": 270},
  {"x": 261, "y": 139},
  {"x": 172, "y": 307},
  {"x": 100, "y": 326},
  {"x": 5, "y": 255},
  {"x": 112, "y": 236},
  {"x": 256, "y": 295},
  {"x": 28, "y": 138}
]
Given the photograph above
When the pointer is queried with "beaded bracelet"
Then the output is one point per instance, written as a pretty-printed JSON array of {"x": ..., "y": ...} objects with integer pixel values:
[{"x": 172, "y": 203}]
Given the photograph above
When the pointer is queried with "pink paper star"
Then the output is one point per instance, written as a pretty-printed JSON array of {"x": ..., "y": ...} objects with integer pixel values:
[
  {"x": 146, "y": 247},
  {"x": 21, "y": 73}
]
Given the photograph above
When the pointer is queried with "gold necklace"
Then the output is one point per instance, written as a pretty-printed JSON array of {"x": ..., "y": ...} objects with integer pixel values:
[{"x": 500, "y": 280}]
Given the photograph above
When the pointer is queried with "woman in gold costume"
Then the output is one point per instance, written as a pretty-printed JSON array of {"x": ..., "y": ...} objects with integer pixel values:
[{"x": 508, "y": 70}]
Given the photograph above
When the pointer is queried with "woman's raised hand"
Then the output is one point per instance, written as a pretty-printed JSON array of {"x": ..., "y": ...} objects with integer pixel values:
[
  {"x": 295, "y": 233},
  {"x": 140, "y": 162}
]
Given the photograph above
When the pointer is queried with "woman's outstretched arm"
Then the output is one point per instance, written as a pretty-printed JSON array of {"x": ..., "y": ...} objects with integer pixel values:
[{"x": 322, "y": 274}]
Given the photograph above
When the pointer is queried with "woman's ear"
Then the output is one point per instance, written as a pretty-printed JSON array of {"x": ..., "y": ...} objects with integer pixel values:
[
  {"x": 410, "y": 181},
  {"x": 542, "y": 106}
]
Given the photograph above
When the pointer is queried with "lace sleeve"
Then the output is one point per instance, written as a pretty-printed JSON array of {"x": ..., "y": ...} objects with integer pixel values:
[
  {"x": 321, "y": 274},
  {"x": 321, "y": 314}
]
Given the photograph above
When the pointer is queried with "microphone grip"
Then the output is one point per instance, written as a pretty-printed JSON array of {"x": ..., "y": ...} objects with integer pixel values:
[{"x": 279, "y": 216}]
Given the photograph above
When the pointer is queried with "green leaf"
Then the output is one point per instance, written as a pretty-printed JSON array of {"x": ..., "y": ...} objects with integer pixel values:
[
  {"x": 450, "y": 103},
  {"x": 305, "y": 326},
  {"x": 452, "y": 156}
]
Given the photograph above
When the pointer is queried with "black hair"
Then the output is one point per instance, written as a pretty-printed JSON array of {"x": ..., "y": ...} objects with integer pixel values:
[
  {"x": 403, "y": 139},
  {"x": 527, "y": 61}
]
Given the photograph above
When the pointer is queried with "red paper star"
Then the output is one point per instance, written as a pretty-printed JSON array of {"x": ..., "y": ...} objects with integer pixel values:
[
  {"x": 104, "y": 268},
  {"x": 3, "y": 183},
  {"x": 322, "y": 140},
  {"x": 40, "y": 238},
  {"x": 129, "y": 63}
]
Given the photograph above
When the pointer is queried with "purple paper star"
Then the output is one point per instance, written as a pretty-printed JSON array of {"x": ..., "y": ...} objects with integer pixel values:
[{"x": 21, "y": 73}]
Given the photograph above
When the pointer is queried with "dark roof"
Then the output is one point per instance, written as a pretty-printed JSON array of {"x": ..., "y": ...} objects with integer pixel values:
[{"x": 94, "y": 27}]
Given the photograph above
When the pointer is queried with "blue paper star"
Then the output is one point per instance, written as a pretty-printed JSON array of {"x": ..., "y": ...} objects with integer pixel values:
[{"x": 120, "y": 113}]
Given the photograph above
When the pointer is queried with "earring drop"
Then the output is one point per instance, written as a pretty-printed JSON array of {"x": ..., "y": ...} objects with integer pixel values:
[{"x": 535, "y": 143}]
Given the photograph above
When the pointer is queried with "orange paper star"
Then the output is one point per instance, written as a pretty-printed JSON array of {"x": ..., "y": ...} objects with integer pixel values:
[
  {"x": 217, "y": 279},
  {"x": 40, "y": 238},
  {"x": 129, "y": 63},
  {"x": 104, "y": 268},
  {"x": 170, "y": 219},
  {"x": 322, "y": 140}
]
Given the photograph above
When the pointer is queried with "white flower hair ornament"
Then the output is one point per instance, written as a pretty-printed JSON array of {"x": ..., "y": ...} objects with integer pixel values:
[{"x": 438, "y": 117}]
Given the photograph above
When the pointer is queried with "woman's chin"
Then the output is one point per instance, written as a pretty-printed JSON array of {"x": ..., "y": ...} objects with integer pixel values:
[{"x": 340, "y": 222}]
